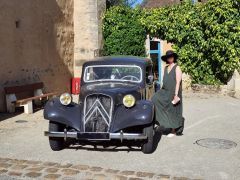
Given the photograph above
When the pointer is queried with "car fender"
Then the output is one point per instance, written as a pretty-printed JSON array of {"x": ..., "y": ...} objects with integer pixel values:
[
  {"x": 141, "y": 114},
  {"x": 68, "y": 115}
]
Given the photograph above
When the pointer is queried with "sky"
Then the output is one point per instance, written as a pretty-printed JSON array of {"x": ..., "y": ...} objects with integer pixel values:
[{"x": 138, "y": 2}]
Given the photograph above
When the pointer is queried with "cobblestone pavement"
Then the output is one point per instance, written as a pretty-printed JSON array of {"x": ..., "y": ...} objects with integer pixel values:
[
  {"x": 207, "y": 116},
  {"x": 23, "y": 169}
]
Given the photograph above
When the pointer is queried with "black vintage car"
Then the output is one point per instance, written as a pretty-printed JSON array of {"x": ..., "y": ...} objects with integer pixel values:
[{"x": 113, "y": 106}]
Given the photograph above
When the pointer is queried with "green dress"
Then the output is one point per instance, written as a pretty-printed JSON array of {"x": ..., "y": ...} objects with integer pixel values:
[{"x": 167, "y": 114}]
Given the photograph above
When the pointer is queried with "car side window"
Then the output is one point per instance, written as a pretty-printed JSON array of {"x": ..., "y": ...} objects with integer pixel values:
[{"x": 149, "y": 75}]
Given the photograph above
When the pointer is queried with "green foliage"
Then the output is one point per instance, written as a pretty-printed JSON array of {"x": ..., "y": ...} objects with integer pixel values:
[
  {"x": 205, "y": 35},
  {"x": 123, "y": 33}
]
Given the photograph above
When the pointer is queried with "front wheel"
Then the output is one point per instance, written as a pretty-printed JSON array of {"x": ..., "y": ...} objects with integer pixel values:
[
  {"x": 148, "y": 147},
  {"x": 56, "y": 143}
]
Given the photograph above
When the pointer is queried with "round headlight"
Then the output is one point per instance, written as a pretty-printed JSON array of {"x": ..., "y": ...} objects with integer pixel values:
[
  {"x": 129, "y": 100},
  {"x": 65, "y": 99}
]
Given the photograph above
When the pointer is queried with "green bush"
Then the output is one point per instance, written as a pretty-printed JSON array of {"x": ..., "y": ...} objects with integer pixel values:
[
  {"x": 123, "y": 32},
  {"x": 205, "y": 35}
]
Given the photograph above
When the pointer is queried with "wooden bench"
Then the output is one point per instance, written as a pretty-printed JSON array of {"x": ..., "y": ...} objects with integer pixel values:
[{"x": 17, "y": 96}]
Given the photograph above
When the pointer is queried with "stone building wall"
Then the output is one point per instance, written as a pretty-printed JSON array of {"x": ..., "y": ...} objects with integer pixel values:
[
  {"x": 87, "y": 31},
  {"x": 36, "y": 44}
]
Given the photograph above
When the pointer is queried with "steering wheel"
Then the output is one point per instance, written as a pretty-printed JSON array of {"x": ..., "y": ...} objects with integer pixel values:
[{"x": 132, "y": 78}]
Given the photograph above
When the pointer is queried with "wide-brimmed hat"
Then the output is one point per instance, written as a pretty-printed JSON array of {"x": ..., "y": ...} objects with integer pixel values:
[{"x": 168, "y": 54}]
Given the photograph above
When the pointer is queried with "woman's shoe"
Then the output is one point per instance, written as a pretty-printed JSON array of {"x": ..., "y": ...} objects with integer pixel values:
[{"x": 171, "y": 135}]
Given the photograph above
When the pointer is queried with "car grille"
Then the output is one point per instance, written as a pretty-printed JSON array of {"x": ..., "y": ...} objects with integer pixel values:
[{"x": 97, "y": 113}]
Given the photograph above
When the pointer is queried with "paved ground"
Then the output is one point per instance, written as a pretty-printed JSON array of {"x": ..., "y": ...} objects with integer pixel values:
[{"x": 207, "y": 116}]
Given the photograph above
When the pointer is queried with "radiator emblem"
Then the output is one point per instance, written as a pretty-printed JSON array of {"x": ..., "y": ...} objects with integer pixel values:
[{"x": 97, "y": 114}]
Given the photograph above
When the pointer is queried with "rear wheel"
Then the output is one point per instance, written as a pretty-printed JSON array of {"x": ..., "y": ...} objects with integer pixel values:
[
  {"x": 148, "y": 147},
  {"x": 56, "y": 143}
]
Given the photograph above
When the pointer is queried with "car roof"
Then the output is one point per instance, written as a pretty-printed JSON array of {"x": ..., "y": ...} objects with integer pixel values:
[{"x": 128, "y": 60}]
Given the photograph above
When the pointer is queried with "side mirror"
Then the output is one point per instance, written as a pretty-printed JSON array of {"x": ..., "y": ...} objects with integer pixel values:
[{"x": 150, "y": 79}]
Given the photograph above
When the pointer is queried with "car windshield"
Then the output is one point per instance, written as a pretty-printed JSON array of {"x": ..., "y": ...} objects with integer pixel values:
[{"x": 131, "y": 73}]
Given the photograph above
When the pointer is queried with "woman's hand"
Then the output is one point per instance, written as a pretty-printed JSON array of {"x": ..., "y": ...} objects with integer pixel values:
[{"x": 176, "y": 99}]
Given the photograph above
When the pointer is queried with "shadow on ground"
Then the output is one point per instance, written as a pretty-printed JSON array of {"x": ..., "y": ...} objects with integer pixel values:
[
  {"x": 18, "y": 111},
  {"x": 5, "y": 116}
]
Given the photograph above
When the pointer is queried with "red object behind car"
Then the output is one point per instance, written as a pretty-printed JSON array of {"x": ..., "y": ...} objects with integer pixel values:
[{"x": 76, "y": 82}]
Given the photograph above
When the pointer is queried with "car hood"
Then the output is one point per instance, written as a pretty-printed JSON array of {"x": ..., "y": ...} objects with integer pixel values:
[{"x": 112, "y": 89}]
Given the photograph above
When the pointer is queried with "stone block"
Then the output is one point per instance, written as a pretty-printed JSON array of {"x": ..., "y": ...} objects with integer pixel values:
[
  {"x": 237, "y": 84},
  {"x": 51, "y": 170},
  {"x": 52, "y": 176},
  {"x": 3, "y": 171},
  {"x": 70, "y": 172},
  {"x": 234, "y": 85},
  {"x": 80, "y": 167},
  {"x": 68, "y": 165},
  {"x": 5, "y": 165},
  {"x": 33, "y": 162},
  {"x": 127, "y": 173},
  {"x": 135, "y": 178},
  {"x": 231, "y": 84},
  {"x": 50, "y": 164},
  {"x": 19, "y": 167},
  {"x": 186, "y": 82},
  {"x": 237, "y": 94},
  {"x": 119, "y": 177},
  {"x": 100, "y": 177},
  {"x": 33, "y": 174},
  {"x": 14, "y": 173},
  {"x": 111, "y": 171},
  {"x": 35, "y": 168},
  {"x": 162, "y": 177},
  {"x": 96, "y": 169},
  {"x": 145, "y": 174},
  {"x": 180, "y": 178}
]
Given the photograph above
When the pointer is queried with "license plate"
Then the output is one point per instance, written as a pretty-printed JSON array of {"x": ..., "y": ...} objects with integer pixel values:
[{"x": 93, "y": 136}]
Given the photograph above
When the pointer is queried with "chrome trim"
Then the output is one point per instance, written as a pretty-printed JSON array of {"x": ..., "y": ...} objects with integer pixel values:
[
  {"x": 120, "y": 136},
  {"x": 96, "y": 109},
  {"x": 61, "y": 134},
  {"x": 128, "y": 136},
  {"x": 113, "y": 80}
]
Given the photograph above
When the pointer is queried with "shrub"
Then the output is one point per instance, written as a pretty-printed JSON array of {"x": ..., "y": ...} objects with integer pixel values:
[
  {"x": 205, "y": 35},
  {"x": 123, "y": 32}
]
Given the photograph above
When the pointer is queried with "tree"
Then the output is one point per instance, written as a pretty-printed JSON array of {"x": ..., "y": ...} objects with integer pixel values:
[
  {"x": 123, "y": 32},
  {"x": 205, "y": 35}
]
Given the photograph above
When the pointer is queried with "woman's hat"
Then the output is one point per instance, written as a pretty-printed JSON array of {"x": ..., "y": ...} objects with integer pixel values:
[{"x": 168, "y": 54}]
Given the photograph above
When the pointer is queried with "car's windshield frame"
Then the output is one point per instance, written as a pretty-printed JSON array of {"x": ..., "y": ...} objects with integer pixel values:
[{"x": 114, "y": 80}]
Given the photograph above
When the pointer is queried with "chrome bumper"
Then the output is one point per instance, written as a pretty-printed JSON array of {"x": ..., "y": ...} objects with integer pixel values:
[{"x": 96, "y": 136}]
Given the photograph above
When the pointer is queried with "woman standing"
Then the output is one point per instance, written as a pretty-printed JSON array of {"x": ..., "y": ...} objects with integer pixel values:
[{"x": 168, "y": 100}]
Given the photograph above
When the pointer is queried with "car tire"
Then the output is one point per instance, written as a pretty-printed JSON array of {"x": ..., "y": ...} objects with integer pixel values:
[
  {"x": 56, "y": 143},
  {"x": 148, "y": 147}
]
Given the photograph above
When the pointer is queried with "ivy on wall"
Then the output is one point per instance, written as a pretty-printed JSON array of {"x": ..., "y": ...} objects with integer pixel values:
[{"x": 205, "y": 35}]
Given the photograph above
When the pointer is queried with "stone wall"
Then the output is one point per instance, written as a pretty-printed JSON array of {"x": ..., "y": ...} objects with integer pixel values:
[
  {"x": 37, "y": 42},
  {"x": 231, "y": 89},
  {"x": 87, "y": 31},
  {"x": 233, "y": 85}
]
